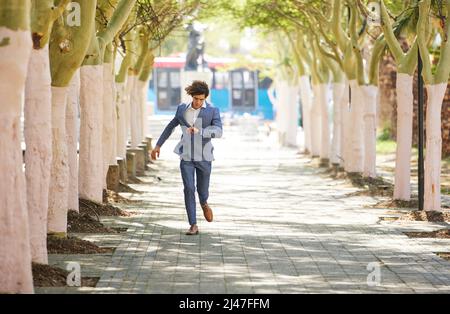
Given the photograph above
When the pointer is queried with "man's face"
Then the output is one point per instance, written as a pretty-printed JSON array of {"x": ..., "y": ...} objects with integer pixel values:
[{"x": 197, "y": 101}]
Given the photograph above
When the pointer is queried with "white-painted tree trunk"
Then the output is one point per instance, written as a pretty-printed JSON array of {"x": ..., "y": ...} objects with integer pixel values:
[
  {"x": 121, "y": 121},
  {"x": 280, "y": 115},
  {"x": 108, "y": 136},
  {"x": 336, "y": 151},
  {"x": 345, "y": 129},
  {"x": 145, "y": 110},
  {"x": 433, "y": 146},
  {"x": 370, "y": 94},
  {"x": 316, "y": 121},
  {"x": 325, "y": 140},
  {"x": 405, "y": 98},
  {"x": 143, "y": 90},
  {"x": 72, "y": 129},
  {"x": 128, "y": 105},
  {"x": 59, "y": 187},
  {"x": 305, "y": 96},
  {"x": 38, "y": 155},
  {"x": 356, "y": 129},
  {"x": 136, "y": 114},
  {"x": 15, "y": 252},
  {"x": 292, "y": 115},
  {"x": 91, "y": 127},
  {"x": 113, "y": 156}
]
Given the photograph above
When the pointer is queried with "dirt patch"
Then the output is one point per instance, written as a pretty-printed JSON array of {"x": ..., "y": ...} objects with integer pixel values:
[
  {"x": 396, "y": 204},
  {"x": 96, "y": 209},
  {"x": 388, "y": 218},
  {"x": 135, "y": 180},
  {"x": 444, "y": 255},
  {"x": 125, "y": 188},
  {"x": 113, "y": 197},
  {"x": 371, "y": 186},
  {"x": 84, "y": 223},
  {"x": 74, "y": 245},
  {"x": 439, "y": 234},
  {"x": 51, "y": 276},
  {"x": 431, "y": 216}
]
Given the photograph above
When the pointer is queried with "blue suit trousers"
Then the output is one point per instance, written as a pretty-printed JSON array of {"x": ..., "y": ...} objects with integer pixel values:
[{"x": 190, "y": 169}]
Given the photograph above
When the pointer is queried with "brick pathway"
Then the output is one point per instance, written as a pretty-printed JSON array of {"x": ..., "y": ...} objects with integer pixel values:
[{"x": 280, "y": 227}]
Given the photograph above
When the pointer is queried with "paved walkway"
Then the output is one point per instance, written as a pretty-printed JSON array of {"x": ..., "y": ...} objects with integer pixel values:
[{"x": 280, "y": 227}]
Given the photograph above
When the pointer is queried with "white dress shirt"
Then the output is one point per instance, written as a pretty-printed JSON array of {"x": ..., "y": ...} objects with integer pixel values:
[{"x": 191, "y": 114}]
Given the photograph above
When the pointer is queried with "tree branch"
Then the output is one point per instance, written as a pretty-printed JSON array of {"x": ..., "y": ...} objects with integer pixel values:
[
  {"x": 422, "y": 39},
  {"x": 119, "y": 17},
  {"x": 391, "y": 40}
]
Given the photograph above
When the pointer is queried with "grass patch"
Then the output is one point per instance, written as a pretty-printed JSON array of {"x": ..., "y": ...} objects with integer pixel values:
[
  {"x": 385, "y": 147},
  {"x": 446, "y": 162}
]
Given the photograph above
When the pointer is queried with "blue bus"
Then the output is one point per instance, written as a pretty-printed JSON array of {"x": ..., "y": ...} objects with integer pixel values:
[{"x": 236, "y": 91}]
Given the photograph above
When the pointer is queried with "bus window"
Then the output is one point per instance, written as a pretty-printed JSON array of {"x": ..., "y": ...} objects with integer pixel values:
[
  {"x": 220, "y": 80},
  {"x": 243, "y": 87},
  {"x": 237, "y": 79},
  {"x": 249, "y": 81},
  {"x": 168, "y": 88}
]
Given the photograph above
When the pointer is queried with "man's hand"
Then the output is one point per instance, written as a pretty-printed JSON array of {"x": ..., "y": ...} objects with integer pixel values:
[
  {"x": 155, "y": 152},
  {"x": 192, "y": 130}
]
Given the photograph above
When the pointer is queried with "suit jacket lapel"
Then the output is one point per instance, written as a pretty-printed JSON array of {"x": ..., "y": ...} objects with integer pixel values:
[{"x": 181, "y": 117}]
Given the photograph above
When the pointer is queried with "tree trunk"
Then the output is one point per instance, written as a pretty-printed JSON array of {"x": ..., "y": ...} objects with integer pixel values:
[
  {"x": 142, "y": 90},
  {"x": 370, "y": 94},
  {"x": 405, "y": 97},
  {"x": 91, "y": 126},
  {"x": 72, "y": 128},
  {"x": 108, "y": 127},
  {"x": 114, "y": 119},
  {"x": 280, "y": 103},
  {"x": 128, "y": 103},
  {"x": 336, "y": 150},
  {"x": 356, "y": 130},
  {"x": 292, "y": 111},
  {"x": 15, "y": 256},
  {"x": 433, "y": 147},
  {"x": 38, "y": 155},
  {"x": 316, "y": 120},
  {"x": 135, "y": 116},
  {"x": 145, "y": 109},
  {"x": 59, "y": 188},
  {"x": 305, "y": 95},
  {"x": 121, "y": 123},
  {"x": 325, "y": 124},
  {"x": 345, "y": 130}
]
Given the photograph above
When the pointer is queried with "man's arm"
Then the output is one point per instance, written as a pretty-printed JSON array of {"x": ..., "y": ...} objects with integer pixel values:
[
  {"x": 215, "y": 129},
  {"x": 165, "y": 135},
  {"x": 168, "y": 130}
]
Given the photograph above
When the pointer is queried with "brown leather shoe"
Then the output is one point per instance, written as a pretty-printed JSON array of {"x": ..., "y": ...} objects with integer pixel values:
[
  {"x": 193, "y": 230},
  {"x": 207, "y": 212}
]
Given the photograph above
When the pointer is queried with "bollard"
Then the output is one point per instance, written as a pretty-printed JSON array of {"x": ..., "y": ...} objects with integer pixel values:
[
  {"x": 139, "y": 161},
  {"x": 122, "y": 169},
  {"x": 144, "y": 146},
  {"x": 113, "y": 178},
  {"x": 131, "y": 165}
]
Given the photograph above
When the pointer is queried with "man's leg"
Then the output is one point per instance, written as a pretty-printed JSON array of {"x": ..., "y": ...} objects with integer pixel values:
[
  {"x": 187, "y": 173},
  {"x": 203, "y": 170}
]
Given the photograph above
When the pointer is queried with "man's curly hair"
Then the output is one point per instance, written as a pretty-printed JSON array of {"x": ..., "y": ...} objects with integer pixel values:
[{"x": 197, "y": 88}]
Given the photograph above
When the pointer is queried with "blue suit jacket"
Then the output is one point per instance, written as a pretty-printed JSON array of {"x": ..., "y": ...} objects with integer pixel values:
[{"x": 210, "y": 126}]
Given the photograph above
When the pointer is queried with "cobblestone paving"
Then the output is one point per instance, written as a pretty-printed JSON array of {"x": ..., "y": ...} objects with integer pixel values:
[{"x": 280, "y": 226}]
